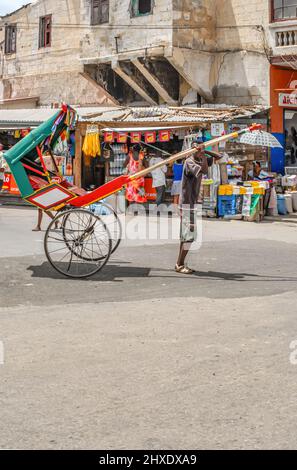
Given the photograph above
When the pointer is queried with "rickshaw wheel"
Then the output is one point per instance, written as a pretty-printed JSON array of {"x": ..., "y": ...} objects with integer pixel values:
[
  {"x": 77, "y": 243},
  {"x": 111, "y": 221}
]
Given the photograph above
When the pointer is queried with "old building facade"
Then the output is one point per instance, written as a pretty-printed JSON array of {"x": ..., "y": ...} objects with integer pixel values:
[
  {"x": 40, "y": 55},
  {"x": 146, "y": 51}
]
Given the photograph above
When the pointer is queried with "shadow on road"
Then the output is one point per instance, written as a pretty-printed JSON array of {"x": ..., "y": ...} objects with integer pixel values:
[
  {"x": 117, "y": 273},
  {"x": 109, "y": 273}
]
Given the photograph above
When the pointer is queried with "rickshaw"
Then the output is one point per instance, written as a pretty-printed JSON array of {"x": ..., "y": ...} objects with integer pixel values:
[{"x": 78, "y": 243}]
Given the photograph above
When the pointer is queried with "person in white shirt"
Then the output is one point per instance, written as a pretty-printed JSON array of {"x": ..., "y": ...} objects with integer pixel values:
[
  {"x": 2, "y": 166},
  {"x": 159, "y": 178}
]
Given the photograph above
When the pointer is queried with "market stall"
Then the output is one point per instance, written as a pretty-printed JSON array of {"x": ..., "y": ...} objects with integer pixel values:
[
  {"x": 96, "y": 149},
  {"x": 165, "y": 131}
]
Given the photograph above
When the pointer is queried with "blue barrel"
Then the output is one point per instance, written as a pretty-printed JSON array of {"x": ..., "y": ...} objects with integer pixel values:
[{"x": 281, "y": 205}]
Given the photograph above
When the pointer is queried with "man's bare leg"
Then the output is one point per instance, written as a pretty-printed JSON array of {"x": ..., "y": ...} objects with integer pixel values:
[
  {"x": 39, "y": 221},
  {"x": 183, "y": 252},
  {"x": 40, "y": 217}
]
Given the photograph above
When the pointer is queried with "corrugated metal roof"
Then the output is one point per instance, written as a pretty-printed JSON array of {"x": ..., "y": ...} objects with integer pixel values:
[
  {"x": 116, "y": 116},
  {"x": 38, "y": 115},
  {"x": 35, "y": 117},
  {"x": 167, "y": 115}
]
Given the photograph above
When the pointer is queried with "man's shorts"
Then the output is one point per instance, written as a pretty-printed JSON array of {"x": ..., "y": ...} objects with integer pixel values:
[{"x": 188, "y": 226}]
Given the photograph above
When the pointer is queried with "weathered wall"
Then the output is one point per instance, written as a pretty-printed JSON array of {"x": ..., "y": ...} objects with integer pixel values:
[
  {"x": 53, "y": 73},
  {"x": 194, "y": 24},
  {"x": 194, "y": 43},
  {"x": 240, "y": 72},
  {"x": 219, "y": 47},
  {"x": 69, "y": 87},
  {"x": 140, "y": 33}
]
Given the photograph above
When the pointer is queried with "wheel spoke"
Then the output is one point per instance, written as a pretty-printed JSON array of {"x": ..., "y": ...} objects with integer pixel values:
[{"x": 82, "y": 246}]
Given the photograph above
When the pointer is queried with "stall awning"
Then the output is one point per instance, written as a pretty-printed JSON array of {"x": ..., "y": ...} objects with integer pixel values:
[
  {"x": 141, "y": 129},
  {"x": 130, "y": 118},
  {"x": 11, "y": 119}
]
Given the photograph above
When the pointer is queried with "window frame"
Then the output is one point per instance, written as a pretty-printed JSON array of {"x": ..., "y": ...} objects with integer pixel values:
[
  {"x": 8, "y": 43},
  {"x": 43, "y": 31},
  {"x": 278, "y": 20},
  {"x": 101, "y": 19},
  {"x": 137, "y": 15}
]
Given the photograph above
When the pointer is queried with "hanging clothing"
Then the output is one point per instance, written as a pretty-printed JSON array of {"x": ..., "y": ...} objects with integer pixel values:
[
  {"x": 135, "y": 191},
  {"x": 91, "y": 146}
]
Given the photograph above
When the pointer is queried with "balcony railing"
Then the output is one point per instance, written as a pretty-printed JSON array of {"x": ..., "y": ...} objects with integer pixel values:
[{"x": 286, "y": 38}]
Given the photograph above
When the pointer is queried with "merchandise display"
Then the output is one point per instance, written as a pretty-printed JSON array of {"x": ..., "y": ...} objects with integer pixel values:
[
  {"x": 120, "y": 152},
  {"x": 240, "y": 186}
]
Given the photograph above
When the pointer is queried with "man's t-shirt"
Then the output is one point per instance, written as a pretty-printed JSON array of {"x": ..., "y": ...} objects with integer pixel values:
[
  {"x": 191, "y": 181},
  {"x": 159, "y": 175}
]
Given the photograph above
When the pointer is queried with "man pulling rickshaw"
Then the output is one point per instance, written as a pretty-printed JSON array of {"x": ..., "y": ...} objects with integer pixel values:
[{"x": 78, "y": 243}]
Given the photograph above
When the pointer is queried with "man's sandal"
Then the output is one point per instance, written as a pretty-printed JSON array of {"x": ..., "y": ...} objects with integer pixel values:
[{"x": 183, "y": 270}]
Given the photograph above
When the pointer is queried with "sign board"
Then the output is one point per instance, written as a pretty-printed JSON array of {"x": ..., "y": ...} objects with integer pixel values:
[
  {"x": 217, "y": 129},
  {"x": 288, "y": 100}
]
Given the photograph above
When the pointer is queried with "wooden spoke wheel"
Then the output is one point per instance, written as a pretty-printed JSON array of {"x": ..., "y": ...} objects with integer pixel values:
[
  {"x": 77, "y": 243},
  {"x": 111, "y": 219}
]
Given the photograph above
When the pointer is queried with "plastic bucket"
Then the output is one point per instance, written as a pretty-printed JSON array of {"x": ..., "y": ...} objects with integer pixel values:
[{"x": 281, "y": 205}]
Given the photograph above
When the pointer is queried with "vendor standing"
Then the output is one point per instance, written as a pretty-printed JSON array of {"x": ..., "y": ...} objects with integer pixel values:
[
  {"x": 257, "y": 173},
  {"x": 135, "y": 162}
]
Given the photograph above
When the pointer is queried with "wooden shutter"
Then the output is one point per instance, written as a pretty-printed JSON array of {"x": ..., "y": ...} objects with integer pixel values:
[
  {"x": 99, "y": 12},
  {"x": 45, "y": 31},
  {"x": 10, "y": 39}
]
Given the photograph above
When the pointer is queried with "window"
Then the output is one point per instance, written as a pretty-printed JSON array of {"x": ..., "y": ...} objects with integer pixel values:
[
  {"x": 45, "y": 31},
  {"x": 141, "y": 7},
  {"x": 100, "y": 11},
  {"x": 284, "y": 9},
  {"x": 10, "y": 39}
]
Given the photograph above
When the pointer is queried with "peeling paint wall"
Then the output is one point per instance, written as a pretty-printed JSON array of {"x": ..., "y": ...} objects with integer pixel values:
[
  {"x": 218, "y": 47},
  {"x": 142, "y": 32},
  {"x": 53, "y": 73},
  {"x": 240, "y": 72},
  {"x": 194, "y": 24}
]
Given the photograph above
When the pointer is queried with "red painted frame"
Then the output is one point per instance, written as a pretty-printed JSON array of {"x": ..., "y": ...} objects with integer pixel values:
[{"x": 47, "y": 189}]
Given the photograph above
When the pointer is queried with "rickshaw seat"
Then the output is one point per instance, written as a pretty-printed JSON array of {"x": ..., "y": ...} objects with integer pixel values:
[{"x": 39, "y": 183}]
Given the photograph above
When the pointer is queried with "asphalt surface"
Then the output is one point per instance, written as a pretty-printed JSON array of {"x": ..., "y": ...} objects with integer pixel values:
[{"x": 141, "y": 357}]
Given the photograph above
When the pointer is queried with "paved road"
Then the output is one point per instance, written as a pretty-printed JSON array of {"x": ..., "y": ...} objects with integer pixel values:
[{"x": 140, "y": 357}]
